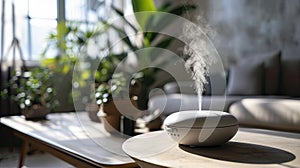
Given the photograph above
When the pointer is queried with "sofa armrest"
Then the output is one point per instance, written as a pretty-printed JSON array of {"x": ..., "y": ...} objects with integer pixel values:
[{"x": 278, "y": 114}]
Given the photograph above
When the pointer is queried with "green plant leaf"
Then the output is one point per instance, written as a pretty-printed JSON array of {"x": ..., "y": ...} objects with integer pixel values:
[
  {"x": 164, "y": 7},
  {"x": 119, "y": 12},
  {"x": 125, "y": 38},
  {"x": 61, "y": 29},
  {"x": 142, "y": 6},
  {"x": 155, "y": 20},
  {"x": 165, "y": 43},
  {"x": 179, "y": 10}
]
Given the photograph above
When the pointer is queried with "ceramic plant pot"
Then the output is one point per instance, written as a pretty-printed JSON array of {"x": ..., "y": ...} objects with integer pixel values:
[{"x": 35, "y": 112}]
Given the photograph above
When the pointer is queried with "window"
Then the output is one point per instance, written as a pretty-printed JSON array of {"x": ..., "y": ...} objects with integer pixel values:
[{"x": 35, "y": 19}]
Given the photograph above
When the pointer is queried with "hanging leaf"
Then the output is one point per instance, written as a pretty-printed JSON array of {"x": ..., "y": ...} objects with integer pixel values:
[
  {"x": 119, "y": 12},
  {"x": 143, "y": 6}
]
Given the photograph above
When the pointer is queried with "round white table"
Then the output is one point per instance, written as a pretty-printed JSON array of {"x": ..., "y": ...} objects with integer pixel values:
[{"x": 249, "y": 148}]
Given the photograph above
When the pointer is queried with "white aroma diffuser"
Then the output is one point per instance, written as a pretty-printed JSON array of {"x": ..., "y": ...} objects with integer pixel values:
[{"x": 201, "y": 128}]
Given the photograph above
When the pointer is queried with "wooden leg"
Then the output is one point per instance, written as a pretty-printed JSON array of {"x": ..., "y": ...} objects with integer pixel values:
[{"x": 23, "y": 153}]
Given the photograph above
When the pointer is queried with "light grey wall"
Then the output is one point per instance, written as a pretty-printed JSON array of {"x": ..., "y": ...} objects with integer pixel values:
[{"x": 246, "y": 27}]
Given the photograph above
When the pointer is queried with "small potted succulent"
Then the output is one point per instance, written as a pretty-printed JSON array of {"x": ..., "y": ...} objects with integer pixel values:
[{"x": 33, "y": 92}]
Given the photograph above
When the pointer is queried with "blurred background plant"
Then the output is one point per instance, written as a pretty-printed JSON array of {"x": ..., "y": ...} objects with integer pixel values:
[
  {"x": 68, "y": 46},
  {"x": 30, "y": 88}
]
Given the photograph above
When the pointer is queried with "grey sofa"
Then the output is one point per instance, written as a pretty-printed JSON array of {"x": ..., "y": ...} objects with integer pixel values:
[{"x": 262, "y": 91}]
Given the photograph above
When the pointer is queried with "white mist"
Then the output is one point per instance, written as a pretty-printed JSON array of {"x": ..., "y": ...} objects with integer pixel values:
[{"x": 198, "y": 54}]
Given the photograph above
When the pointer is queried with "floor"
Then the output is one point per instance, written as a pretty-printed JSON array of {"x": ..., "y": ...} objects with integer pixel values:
[{"x": 9, "y": 159}]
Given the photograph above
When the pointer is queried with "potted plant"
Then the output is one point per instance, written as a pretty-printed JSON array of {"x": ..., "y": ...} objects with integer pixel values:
[
  {"x": 148, "y": 77},
  {"x": 33, "y": 92},
  {"x": 111, "y": 95},
  {"x": 145, "y": 79}
]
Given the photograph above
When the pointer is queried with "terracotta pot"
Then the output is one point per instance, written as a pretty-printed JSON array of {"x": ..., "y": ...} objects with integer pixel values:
[
  {"x": 110, "y": 117},
  {"x": 36, "y": 112}
]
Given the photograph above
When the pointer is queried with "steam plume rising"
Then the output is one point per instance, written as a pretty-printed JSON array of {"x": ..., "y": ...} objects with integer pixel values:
[{"x": 197, "y": 52}]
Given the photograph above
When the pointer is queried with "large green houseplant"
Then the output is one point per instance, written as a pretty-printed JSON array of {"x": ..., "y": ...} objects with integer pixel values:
[{"x": 148, "y": 78}]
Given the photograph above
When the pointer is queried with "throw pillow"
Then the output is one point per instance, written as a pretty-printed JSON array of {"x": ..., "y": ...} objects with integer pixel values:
[
  {"x": 246, "y": 79},
  {"x": 272, "y": 74},
  {"x": 271, "y": 61},
  {"x": 290, "y": 80}
]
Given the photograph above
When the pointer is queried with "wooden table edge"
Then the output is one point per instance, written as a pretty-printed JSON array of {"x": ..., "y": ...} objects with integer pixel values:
[{"x": 61, "y": 153}]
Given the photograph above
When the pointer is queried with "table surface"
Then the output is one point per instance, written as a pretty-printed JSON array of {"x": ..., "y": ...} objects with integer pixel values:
[
  {"x": 74, "y": 133},
  {"x": 249, "y": 148}
]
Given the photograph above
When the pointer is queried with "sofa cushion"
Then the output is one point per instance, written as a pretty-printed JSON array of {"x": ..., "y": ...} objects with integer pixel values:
[
  {"x": 271, "y": 74},
  {"x": 184, "y": 87},
  {"x": 170, "y": 103},
  {"x": 223, "y": 103},
  {"x": 290, "y": 77},
  {"x": 279, "y": 114},
  {"x": 246, "y": 79},
  {"x": 216, "y": 85}
]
